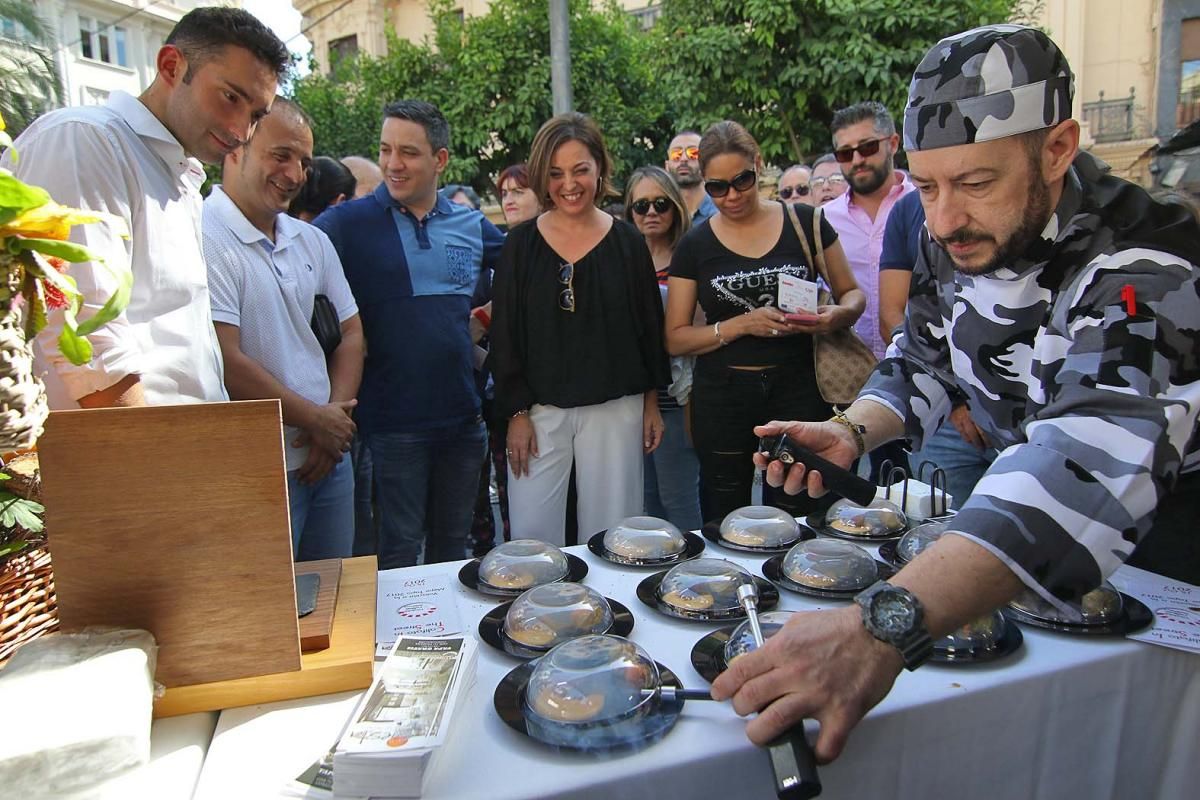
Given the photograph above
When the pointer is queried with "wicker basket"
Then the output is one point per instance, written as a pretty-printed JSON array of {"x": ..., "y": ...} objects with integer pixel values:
[{"x": 28, "y": 607}]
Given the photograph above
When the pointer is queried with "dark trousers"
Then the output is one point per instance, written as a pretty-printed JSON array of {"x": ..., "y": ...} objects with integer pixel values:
[
  {"x": 1172, "y": 547},
  {"x": 726, "y": 405}
]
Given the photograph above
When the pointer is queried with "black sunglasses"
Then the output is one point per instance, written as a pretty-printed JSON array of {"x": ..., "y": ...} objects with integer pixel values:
[
  {"x": 642, "y": 207},
  {"x": 865, "y": 149},
  {"x": 566, "y": 277},
  {"x": 742, "y": 182},
  {"x": 787, "y": 191}
]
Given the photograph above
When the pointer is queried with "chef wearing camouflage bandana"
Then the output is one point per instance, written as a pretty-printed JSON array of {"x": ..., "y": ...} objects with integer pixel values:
[{"x": 1063, "y": 302}]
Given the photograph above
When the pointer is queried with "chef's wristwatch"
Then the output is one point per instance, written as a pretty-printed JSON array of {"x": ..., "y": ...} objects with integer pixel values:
[{"x": 895, "y": 616}]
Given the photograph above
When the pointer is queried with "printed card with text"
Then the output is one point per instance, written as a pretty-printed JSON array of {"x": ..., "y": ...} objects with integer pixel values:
[
  {"x": 796, "y": 295},
  {"x": 415, "y": 606}
]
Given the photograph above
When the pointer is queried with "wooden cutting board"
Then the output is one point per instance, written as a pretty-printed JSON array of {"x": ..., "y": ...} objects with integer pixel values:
[
  {"x": 175, "y": 519},
  {"x": 317, "y": 628}
]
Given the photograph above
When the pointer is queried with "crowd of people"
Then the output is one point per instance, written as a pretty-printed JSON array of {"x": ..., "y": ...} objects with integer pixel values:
[{"x": 1034, "y": 318}]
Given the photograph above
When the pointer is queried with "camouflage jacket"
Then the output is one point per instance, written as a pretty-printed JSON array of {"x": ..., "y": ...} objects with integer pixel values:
[{"x": 1093, "y": 409}]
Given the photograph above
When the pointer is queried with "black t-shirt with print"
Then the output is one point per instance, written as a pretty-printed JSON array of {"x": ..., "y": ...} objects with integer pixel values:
[{"x": 728, "y": 285}]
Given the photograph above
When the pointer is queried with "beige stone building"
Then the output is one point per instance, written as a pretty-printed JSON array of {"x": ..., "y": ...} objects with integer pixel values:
[{"x": 339, "y": 28}]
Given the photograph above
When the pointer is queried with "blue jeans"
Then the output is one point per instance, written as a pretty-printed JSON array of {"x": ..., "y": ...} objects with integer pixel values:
[
  {"x": 672, "y": 476},
  {"x": 322, "y": 514},
  {"x": 426, "y": 476},
  {"x": 962, "y": 463},
  {"x": 366, "y": 533}
]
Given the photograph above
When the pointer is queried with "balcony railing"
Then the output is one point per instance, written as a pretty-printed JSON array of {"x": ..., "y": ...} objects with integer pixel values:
[{"x": 1110, "y": 120}]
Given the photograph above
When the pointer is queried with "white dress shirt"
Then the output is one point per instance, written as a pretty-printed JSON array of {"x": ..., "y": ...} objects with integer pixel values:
[
  {"x": 267, "y": 290},
  {"x": 120, "y": 159}
]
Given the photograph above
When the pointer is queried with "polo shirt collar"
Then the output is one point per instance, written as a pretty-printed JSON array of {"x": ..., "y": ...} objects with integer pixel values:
[
  {"x": 150, "y": 128},
  {"x": 286, "y": 228},
  {"x": 440, "y": 205},
  {"x": 900, "y": 187}
]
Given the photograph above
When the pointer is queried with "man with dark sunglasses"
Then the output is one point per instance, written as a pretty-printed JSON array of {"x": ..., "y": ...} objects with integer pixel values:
[
  {"x": 793, "y": 185},
  {"x": 864, "y": 146},
  {"x": 683, "y": 164}
]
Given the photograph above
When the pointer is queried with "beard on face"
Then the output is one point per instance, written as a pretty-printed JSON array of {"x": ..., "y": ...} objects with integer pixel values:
[
  {"x": 1033, "y": 221},
  {"x": 867, "y": 179},
  {"x": 690, "y": 179}
]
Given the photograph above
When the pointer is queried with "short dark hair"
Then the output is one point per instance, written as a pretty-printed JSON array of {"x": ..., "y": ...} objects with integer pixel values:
[
  {"x": 517, "y": 173},
  {"x": 288, "y": 106},
  {"x": 557, "y": 131},
  {"x": 860, "y": 112},
  {"x": 203, "y": 32},
  {"x": 427, "y": 115},
  {"x": 328, "y": 179},
  {"x": 451, "y": 189},
  {"x": 726, "y": 136}
]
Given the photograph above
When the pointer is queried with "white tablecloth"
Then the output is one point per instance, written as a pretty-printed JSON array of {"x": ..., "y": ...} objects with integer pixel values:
[{"x": 1064, "y": 717}]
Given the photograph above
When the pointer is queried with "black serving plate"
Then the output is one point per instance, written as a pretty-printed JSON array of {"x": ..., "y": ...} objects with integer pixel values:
[
  {"x": 468, "y": 576},
  {"x": 708, "y": 654},
  {"x": 817, "y": 523},
  {"x": 712, "y": 532},
  {"x": 1135, "y": 615},
  {"x": 1005, "y": 645},
  {"x": 887, "y": 551},
  {"x": 647, "y": 592},
  {"x": 509, "y": 702},
  {"x": 773, "y": 569},
  {"x": 694, "y": 547},
  {"x": 491, "y": 629}
]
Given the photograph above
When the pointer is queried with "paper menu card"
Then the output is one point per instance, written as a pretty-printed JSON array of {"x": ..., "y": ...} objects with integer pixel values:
[
  {"x": 414, "y": 606},
  {"x": 1176, "y": 607}
]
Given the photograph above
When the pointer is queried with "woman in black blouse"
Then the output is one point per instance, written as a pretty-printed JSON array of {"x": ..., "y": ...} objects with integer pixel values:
[
  {"x": 755, "y": 364},
  {"x": 576, "y": 343}
]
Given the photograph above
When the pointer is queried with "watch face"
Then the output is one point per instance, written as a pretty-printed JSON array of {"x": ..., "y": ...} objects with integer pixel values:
[{"x": 892, "y": 614}]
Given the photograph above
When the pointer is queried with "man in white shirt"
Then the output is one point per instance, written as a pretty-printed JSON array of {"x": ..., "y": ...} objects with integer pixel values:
[
  {"x": 138, "y": 158},
  {"x": 265, "y": 270}
]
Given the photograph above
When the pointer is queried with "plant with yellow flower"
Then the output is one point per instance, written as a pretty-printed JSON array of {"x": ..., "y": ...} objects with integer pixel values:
[{"x": 34, "y": 253}]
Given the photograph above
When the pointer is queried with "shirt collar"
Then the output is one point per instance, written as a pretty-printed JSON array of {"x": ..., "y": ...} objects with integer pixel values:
[
  {"x": 286, "y": 228},
  {"x": 150, "y": 128},
  {"x": 900, "y": 187},
  {"x": 440, "y": 204}
]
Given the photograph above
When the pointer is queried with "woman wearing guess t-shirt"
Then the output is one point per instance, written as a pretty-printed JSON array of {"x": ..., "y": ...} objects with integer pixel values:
[{"x": 754, "y": 364}]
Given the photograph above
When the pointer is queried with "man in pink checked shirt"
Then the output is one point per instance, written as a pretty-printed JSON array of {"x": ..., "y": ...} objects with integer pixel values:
[{"x": 865, "y": 144}]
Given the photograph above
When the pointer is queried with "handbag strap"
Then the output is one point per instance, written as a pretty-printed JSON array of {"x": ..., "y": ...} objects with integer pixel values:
[{"x": 819, "y": 261}]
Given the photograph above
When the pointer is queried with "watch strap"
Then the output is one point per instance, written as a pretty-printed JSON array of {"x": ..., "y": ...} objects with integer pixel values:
[{"x": 915, "y": 645}]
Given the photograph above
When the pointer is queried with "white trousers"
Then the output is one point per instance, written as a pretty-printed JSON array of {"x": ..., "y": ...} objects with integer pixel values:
[{"x": 604, "y": 442}]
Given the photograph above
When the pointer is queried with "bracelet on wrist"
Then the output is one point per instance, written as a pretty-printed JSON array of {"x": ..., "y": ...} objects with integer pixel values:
[
  {"x": 482, "y": 315},
  {"x": 717, "y": 332},
  {"x": 522, "y": 413},
  {"x": 856, "y": 430}
]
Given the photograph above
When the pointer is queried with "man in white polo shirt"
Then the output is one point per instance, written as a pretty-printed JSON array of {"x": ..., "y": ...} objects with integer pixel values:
[
  {"x": 138, "y": 158},
  {"x": 265, "y": 270}
]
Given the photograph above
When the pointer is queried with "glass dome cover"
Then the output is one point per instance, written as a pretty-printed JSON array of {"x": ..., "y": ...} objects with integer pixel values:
[
  {"x": 830, "y": 564},
  {"x": 759, "y": 526},
  {"x": 644, "y": 539},
  {"x": 1098, "y": 607},
  {"x": 522, "y": 564},
  {"x": 918, "y": 540},
  {"x": 979, "y": 634},
  {"x": 741, "y": 641},
  {"x": 704, "y": 585},
  {"x": 591, "y": 679},
  {"x": 555, "y": 612},
  {"x": 881, "y": 518}
]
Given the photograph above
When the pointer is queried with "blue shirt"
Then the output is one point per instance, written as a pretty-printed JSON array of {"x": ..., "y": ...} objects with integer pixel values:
[
  {"x": 414, "y": 280},
  {"x": 902, "y": 235},
  {"x": 706, "y": 209}
]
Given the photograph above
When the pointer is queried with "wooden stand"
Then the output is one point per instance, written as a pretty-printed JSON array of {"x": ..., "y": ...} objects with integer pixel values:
[{"x": 344, "y": 666}]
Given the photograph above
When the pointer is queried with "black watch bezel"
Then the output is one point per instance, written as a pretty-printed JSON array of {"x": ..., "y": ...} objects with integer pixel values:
[{"x": 914, "y": 642}]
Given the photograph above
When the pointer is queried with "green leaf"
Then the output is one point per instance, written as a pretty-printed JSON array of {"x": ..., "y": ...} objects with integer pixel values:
[
  {"x": 13, "y": 547},
  {"x": 68, "y": 251},
  {"x": 116, "y": 302},
  {"x": 17, "y": 196},
  {"x": 19, "y": 511},
  {"x": 77, "y": 349},
  {"x": 4, "y": 476},
  {"x": 40, "y": 268},
  {"x": 35, "y": 305}
]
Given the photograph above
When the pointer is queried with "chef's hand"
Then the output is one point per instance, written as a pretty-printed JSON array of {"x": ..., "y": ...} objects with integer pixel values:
[
  {"x": 830, "y": 440},
  {"x": 821, "y": 665}
]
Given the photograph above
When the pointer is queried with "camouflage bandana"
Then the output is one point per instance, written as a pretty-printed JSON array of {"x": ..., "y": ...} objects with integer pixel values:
[{"x": 986, "y": 84}]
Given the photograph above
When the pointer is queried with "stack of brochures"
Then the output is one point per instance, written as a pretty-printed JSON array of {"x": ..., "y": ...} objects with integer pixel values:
[{"x": 405, "y": 718}]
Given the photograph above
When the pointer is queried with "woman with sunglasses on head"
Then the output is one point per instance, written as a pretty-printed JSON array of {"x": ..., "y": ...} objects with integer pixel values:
[
  {"x": 754, "y": 363},
  {"x": 653, "y": 203},
  {"x": 577, "y": 348}
]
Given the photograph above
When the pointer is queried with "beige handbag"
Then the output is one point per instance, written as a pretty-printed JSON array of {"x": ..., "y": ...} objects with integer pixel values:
[{"x": 843, "y": 361}]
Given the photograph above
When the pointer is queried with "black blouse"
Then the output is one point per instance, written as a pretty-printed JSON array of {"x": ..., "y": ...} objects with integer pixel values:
[{"x": 609, "y": 346}]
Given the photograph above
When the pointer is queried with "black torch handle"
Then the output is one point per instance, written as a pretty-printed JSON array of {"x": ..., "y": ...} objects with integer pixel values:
[
  {"x": 838, "y": 480},
  {"x": 794, "y": 765}
]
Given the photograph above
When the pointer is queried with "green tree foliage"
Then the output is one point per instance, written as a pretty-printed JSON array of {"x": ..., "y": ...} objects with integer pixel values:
[
  {"x": 782, "y": 67},
  {"x": 29, "y": 82},
  {"x": 490, "y": 75}
]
